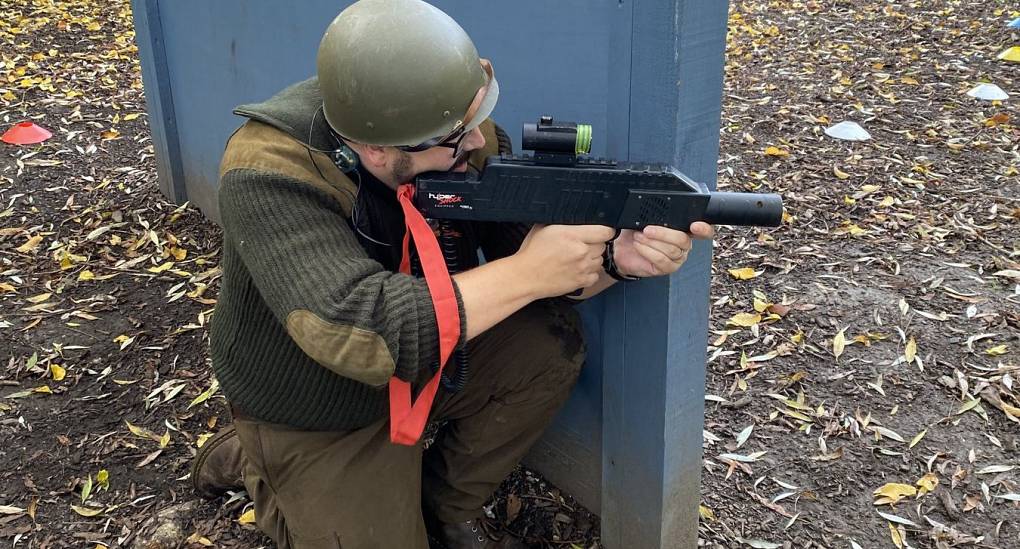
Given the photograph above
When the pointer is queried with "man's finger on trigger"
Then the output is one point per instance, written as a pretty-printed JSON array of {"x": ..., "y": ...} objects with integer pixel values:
[{"x": 596, "y": 233}]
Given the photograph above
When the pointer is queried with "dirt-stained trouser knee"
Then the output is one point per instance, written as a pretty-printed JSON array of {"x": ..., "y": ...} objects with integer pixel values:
[{"x": 357, "y": 490}]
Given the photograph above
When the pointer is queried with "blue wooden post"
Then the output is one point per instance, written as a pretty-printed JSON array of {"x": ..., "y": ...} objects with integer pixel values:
[
  {"x": 655, "y": 333},
  {"x": 647, "y": 74},
  {"x": 156, "y": 78}
]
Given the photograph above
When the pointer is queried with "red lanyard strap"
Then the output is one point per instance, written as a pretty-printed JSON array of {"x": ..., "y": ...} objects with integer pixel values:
[{"x": 407, "y": 421}]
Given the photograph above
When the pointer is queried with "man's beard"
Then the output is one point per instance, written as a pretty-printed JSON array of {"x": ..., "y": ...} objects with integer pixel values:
[{"x": 403, "y": 167}]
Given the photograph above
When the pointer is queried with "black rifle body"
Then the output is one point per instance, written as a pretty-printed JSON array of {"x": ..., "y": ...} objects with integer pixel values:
[{"x": 589, "y": 191}]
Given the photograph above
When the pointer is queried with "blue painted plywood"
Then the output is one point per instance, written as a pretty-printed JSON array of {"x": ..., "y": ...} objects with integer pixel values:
[{"x": 647, "y": 75}]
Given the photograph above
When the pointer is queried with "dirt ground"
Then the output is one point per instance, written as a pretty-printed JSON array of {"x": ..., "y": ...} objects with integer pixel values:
[{"x": 863, "y": 356}]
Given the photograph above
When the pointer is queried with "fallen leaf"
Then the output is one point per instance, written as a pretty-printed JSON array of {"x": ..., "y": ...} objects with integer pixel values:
[
  {"x": 744, "y": 435},
  {"x": 745, "y": 320},
  {"x": 927, "y": 483},
  {"x": 917, "y": 438},
  {"x": 206, "y": 394},
  {"x": 30, "y": 245},
  {"x": 911, "y": 351},
  {"x": 39, "y": 298},
  {"x": 891, "y": 493},
  {"x": 839, "y": 343},
  {"x": 87, "y": 511},
  {"x": 894, "y": 533},
  {"x": 993, "y": 469},
  {"x": 744, "y": 273},
  {"x": 888, "y": 433},
  {"x": 248, "y": 517},
  {"x": 898, "y": 519},
  {"x": 103, "y": 479}
]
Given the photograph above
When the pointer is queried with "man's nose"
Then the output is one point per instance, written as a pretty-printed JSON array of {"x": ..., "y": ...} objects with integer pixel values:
[{"x": 473, "y": 140}]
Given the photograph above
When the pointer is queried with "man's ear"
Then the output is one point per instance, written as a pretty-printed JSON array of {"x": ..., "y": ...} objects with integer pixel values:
[{"x": 373, "y": 156}]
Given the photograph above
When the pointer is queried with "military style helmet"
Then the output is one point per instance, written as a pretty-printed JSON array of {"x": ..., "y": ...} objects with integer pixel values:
[{"x": 401, "y": 73}]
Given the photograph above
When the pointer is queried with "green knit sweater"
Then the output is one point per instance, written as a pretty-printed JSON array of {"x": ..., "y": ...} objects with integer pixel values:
[{"x": 308, "y": 328}]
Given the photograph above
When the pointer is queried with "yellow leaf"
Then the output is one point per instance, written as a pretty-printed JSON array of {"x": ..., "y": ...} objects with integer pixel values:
[
  {"x": 968, "y": 406},
  {"x": 39, "y": 298},
  {"x": 839, "y": 173},
  {"x": 103, "y": 479},
  {"x": 132, "y": 116},
  {"x": 744, "y": 273},
  {"x": 161, "y": 268},
  {"x": 30, "y": 245},
  {"x": 248, "y": 517},
  {"x": 887, "y": 201},
  {"x": 927, "y": 483},
  {"x": 897, "y": 539},
  {"x": 868, "y": 189},
  {"x": 86, "y": 511},
  {"x": 706, "y": 513},
  {"x": 109, "y": 134},
  {"x": 745, "y": 320},
  {"x": 86, "y": 275},
  {"x": 123, "y": 340},
  {"x": 57, "y": 372},
  {"x": 776, "y": 151},
  {"x": 917, "y": 438},
  {"x": 213, "y": 387},
  {"x": 45, "y": 389},
  {"x": 143, "y": 432},
  {"x": 165, "y": 439},
  {"x": 200, "y": 539},
  {"x": 909, "y": 80},
  {"x": 201, "y": 439},
  {"x": 839, "y": 343},
  {"x": 178, "y": 253},
  {"x": 1000, "y": 118},
  {"x": 893, "y": 492},
  {"x": 997, "y": 350},
  {"x": 4, "y": 288},
  {"x": 911, "y": 352}
]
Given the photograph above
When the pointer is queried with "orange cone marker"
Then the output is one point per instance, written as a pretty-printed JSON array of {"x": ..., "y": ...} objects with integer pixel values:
[{"x": 26, "y": 133}]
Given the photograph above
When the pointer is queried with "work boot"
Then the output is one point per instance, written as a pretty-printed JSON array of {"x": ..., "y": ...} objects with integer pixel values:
[
  {"x": 217, "y": 465},
  {"x": 470, "y": 535}
]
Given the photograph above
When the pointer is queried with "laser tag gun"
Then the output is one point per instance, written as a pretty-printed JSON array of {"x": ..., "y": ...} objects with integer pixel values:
[{"x": 561, "y": 184}]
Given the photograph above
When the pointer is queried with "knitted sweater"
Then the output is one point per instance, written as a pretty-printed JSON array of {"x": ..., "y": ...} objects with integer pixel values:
[{"x": 309, "y": 326}]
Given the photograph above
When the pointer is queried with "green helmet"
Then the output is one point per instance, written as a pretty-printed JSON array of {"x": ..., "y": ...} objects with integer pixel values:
[{"x": 400, "y": 72}]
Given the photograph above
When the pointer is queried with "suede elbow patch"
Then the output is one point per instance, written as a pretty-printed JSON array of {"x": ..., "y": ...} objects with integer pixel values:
[{"x": 346, "y": 350}]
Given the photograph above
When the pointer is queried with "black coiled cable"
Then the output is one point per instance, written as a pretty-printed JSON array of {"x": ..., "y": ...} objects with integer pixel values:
[{"x": 455, "y": 376}]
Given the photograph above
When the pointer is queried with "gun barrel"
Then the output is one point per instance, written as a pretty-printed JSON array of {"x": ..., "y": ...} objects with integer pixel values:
[{"x": 760, "y": 210}]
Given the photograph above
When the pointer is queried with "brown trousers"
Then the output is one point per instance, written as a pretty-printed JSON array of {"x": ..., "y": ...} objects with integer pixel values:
[{"x": 357, "y": 490}]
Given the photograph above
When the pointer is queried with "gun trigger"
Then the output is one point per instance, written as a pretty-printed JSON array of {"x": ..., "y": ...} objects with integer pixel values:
[{"x": 617, "y": 234}]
